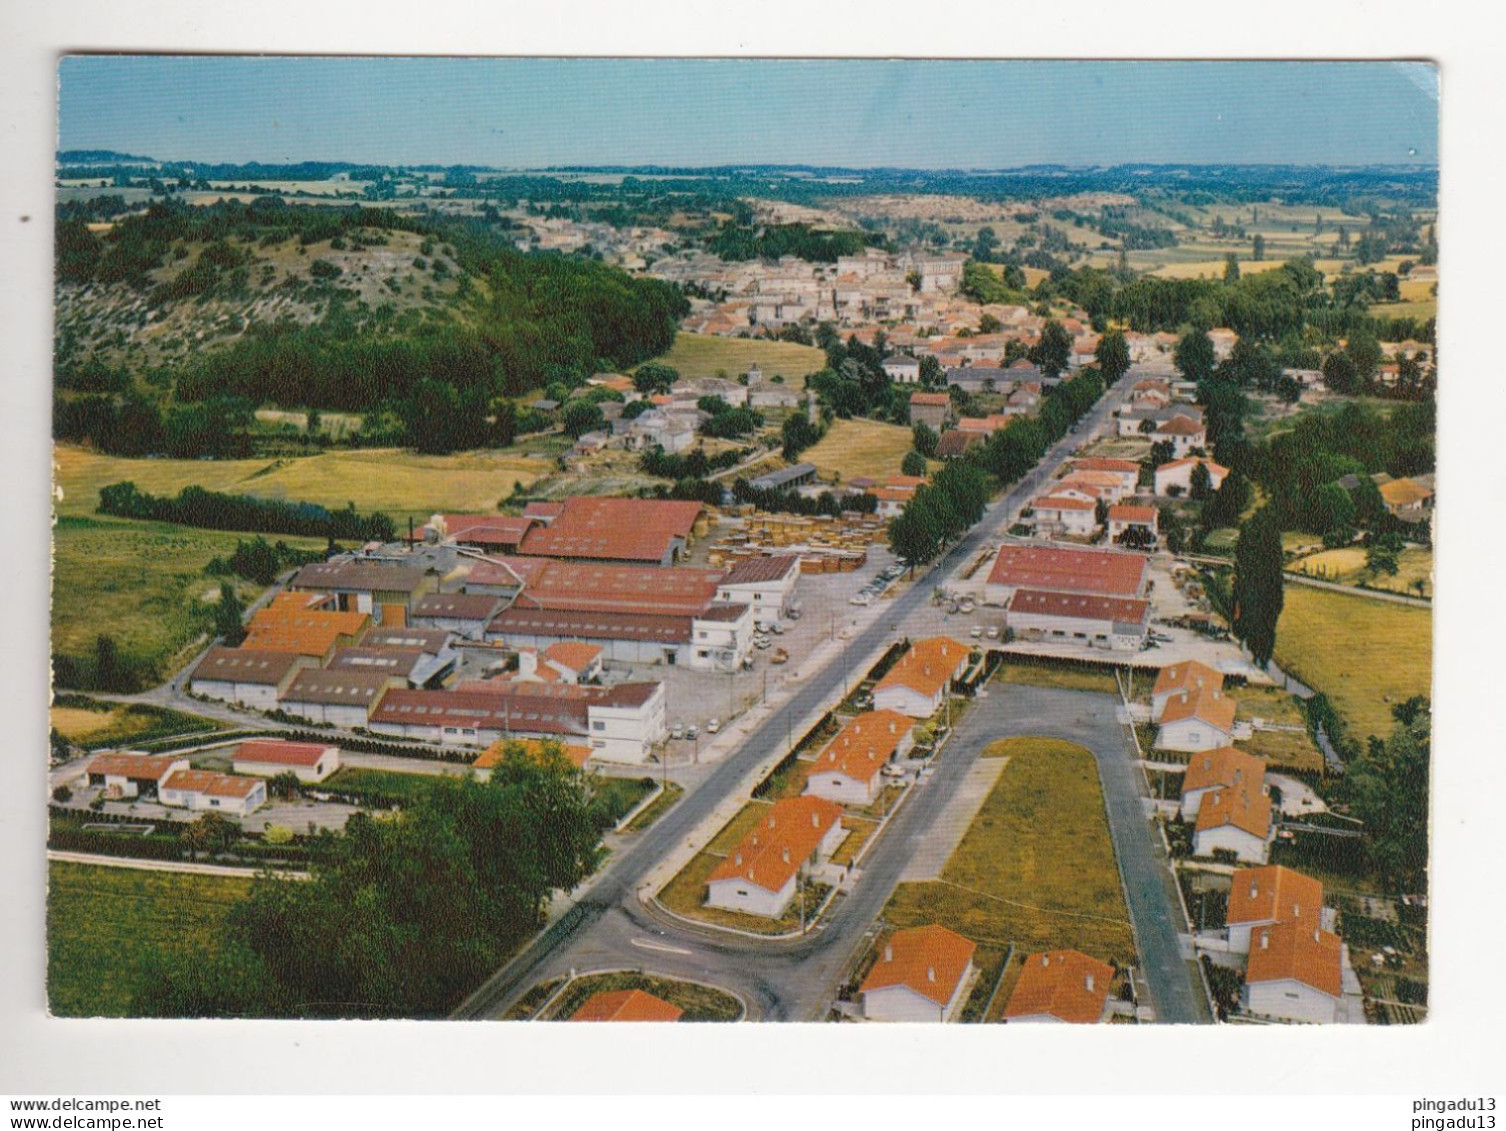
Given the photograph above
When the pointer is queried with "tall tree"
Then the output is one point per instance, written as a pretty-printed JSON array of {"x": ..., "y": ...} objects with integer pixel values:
[
  {"x": 924, "y": 437},
  {"x": 1257, "y": 592},
  {"x": 1194, "y": 355},
  {"x": 229, "y": 612},
  {"x": 1387, "y": 787},
  {"x": 1053, "y": 352},
  {"x": 1113, "y": 356}
]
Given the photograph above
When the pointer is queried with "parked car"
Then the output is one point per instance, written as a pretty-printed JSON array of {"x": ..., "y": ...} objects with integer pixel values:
[
  {"x": 677, "y": 731},
  {"x": 691, "y": 734},
  {"x": 777, "y": 628},
  {"x": 779, "y": 656},
  {"x": 977, "y": 632},
  {"x": 860, "y": 599},
  {"x": 993, "y": 632},
  {"x": 713, "y": 726},
  {"x": 761, "y": 642}
]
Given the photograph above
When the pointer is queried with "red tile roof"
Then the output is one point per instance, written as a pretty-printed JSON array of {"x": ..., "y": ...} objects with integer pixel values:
[
  {"x": 591, "y": 625},
  {"x": 1065, "y": 984},
  {"x": 572, "y": 654},
  {"x": 1188, "y": 675},
  {"x": 281, "y": 753},
  {"x": 1145, "y": 516},
  {"x": 1224, "y": 766},
  {"x": 132, "y": 767},
  {"x": 1115, "y": 465},
  {"x": 1180, "y": 426},
  {"x": 937, "y": 400},
  {"x": 1062, "y": 503},
  {"x": 1208, "y": 704},
  {"x": 930, "y": 960},
  {"x": 626, "y": 1005},
  {"x": 213, "y": 784},
  {"x": 782, "y": 841},
  {"x": 483, "y": 529},
  {"x": 927, "y": 666},
  {"x": 751, "y": 571},
  {"x": 863, "y": 746},
  {"x": 1274, "y": 894},
  {"x": 1300, "y": 951},
  {"x": 1078, "y": 571},
  {"x": 614, "y": 529},
  {"x": 1241, "y": 806},
  {"x": 533, "y": 748},
  {"x": 1078, "y": 606}
]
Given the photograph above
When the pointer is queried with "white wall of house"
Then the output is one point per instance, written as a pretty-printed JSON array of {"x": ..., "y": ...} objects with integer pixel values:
[
  {"x": 1290, "y": 1000},
  {"x": 719, "y": 645},
  {"x": 1181, "y": 444},
  {"x": 1192, "y": 801},
  {"x": 1168, "y": 477},
  {"x": 1191, "y": 735},
  {"x": 196, "y": 802},
  {"x": 328, "y": 763},
  {"x": 742, "y": 894},
  {"x": 628, "y": 734},
  {"x": 1066, "y": 521},
  {"x": 843, "y": 788},
  {"x": 901, "y": 1003},
  {"x": 907, "y": 701},
  {"x": 1093, "y": 633},
  {"x": 1239, "y": 935},
  {"x": 1247, "y": 848}
]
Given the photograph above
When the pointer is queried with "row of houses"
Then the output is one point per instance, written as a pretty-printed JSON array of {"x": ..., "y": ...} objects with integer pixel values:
[{"x": 173, "y": 782}]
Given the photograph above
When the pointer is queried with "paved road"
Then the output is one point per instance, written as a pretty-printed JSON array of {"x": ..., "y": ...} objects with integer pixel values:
[{"x": 609, "y": 927}]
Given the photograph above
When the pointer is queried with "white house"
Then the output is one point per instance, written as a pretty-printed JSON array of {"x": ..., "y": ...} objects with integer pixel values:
[
  {"x": 1267, "y": 895},
  {"x": 1221, "y": 768},
  {"x": 760, "y": 876},
  {"x": 249, "y": 677},
  {"x": 1185, "y": 435},
  {"x": 1126, "y": 472},
  {"x": 922, "y": 974},
  {"x": 308, "y": 761},
  {"x": 902, "y": 368},
  {"x": 1178, "y": 474},
  {"x": 918, "y": 684},
  {"x": 627, "y": 722},
  {"x": 1064, "y": 514},
  {"x": 1060, "y": 986},
  {"x": 1174, "y": 679},
  {"x": 766, "y": 583},
  {"x": 1124, "y": 518},
  {"x": 128, "y": 776},
  {"x": 1196, "y": 720},
  {"x": 1295, "y": 973},
  {"x": 850, "y": 769},
  {"x": 1236, "y": 819},
  {"x": 206, "y": 791}
]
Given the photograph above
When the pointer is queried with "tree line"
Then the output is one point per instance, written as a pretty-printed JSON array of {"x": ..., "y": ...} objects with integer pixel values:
[{"x": 215, "y": 510}]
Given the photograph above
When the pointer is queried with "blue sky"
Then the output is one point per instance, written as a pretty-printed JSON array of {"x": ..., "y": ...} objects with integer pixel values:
[{"x": 529, "y": 112}]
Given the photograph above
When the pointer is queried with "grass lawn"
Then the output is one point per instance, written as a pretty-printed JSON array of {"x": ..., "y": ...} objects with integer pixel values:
[
  {"x": 142, "y": 582},
  {"x": 704, "y": 355},
  {"x": 1347, "y": 567},
  {"x": 1068, "y": 679},
  {"x": 1036, "y": 867},
  {"x": 787, "y": 780},
  {"x": 1285, "y": 750},
  {"x": 95, "y": 723},
  {"x": 1365, "y": 654},
  {"x": 853, "y": 448},
  {"x": 102, "y": 923},
  {"x": 860, "y": 829},
  {"x": 1268, "y": 703},
  {"x": 383, "y": 787},
  {"x": 661, "y": 805},
  {"x": 700, "y": 1003},
  {"x": 398, "y": 482}
]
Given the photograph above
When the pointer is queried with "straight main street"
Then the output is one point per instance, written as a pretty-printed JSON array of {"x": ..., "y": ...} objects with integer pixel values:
[{"x": 610, "y": 927}]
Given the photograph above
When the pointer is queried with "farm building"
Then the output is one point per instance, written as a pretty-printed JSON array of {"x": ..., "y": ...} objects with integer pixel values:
[
  {"x": 849, "y": 769},
  {"x": 1295, "y": 973},
  {"x": 626, "y": 1005},
  {"x": 206, "y": 791},
  {"x": 1174, "y": 679},
  {"x": 1061, "y": 986},
  {"x": 1115, "y": 623},
  {"x": 918, "y": 684},
  {"x": 1271, "y": 894},
  {"x": 608, "y": 529},
  {"x": 308, "y": 761},
  {"x": 416, "y": 667},
  {"x": 249, "y": 677},
  {"x": 313, "y": 632},
  {"x": 759, "y": 876},
  {"x": 1196, "y": 720},
  {"x": 1109, "y": 573},
  {"x": 464, "y": 614},
  {"x": 1221, "y": 768},
  {"x": 931, "y": 409},
  {"x": 922, "y": 974},
  {"x": 338, "y": 696},
  {"x": 132, "y": 775}
]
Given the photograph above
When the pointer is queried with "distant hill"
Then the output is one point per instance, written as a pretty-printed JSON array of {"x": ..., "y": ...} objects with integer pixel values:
[{"x": 101, "y": 157}]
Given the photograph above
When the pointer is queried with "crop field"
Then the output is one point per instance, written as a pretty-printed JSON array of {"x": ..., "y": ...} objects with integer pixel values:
[
  {"x": 1347, "y": 567},
  {"x": 97, "y": 723},
  {"x": 705, "y": 355},
  {"x": 1036, "y": 867},
  {"x": 853, "y": 448},
  {"x": 401, "y": 483},
  {"x": 141, "y": 582},
  {"x": 1364, "y": 654},
  {"x": 104, "y": 923}
]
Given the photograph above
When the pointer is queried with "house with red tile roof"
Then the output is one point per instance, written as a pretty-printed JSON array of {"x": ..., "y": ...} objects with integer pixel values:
[
  {"x": 131, "y": 775},
  {"x": 1173, "y": 679},
  {"x": 626, "y": 1005},
  {"x": 1174, "y": 478},
  {"x": 1235, "y": 819},
  {"x": 1183, "y": 433},
  {"x": 1198, "y": 719},
  {"x": 206, "y": 791},
  {"x": 1295, "y": 973},
  {"x": 1125, "y": 471},
  {"x": 922, "y": 974},
  {"x": 1125, "y": 518},
  {"x": 766, "y": 583},
  {"x": 1061, "y": 986},
  {"x": 760, "y": 875},
  {"x": 308, "y": 761},
  {"x": 1267, "y": 895},
  {"x": 1064, "y": 513},
  {"x": 1221, "y": 768},
  {"x": 918, "y": 684},
  {"x": 849, "y": 770},
  {"x": 931, "y": 409}
]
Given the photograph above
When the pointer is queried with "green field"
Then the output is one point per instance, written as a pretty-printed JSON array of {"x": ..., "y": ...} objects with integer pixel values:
[
  {"x": 853, "y": 448},
  {"x": 1364, "y": 654},
  {"x": 1067, "y": 678},
  {"x": 141, "y": 582},
  {"x": 102, "y": 924},
  {"x": 703, "y": 355},
  {"x": 1036, "y": 867}
]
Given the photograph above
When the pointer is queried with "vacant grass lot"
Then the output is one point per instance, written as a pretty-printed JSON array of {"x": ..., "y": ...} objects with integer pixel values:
[
  {"x": 378, "y": 787},
  {"x": 1364, "y": 654},
  {"x": 1068, "y": 679},
  {"x": 97, "y": 723},
  {"x": 853, "y": 448},
  {"x": 141, "y": 582},
  {"x": 1347, "y": 567},
  {"x": 398, "y": 482},
  {"x": 1036, "y": 867},
  {"x": 700, "y": 1003},
  {"x": 704, "y": 355},
  {"x": 102, "y": 923}
]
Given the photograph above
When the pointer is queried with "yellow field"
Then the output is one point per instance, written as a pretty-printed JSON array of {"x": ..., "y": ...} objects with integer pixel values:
[
  {"x": 1421, "y": 309},
  {"x": 860, "y": 447},
  {"x": 1347, "y": 566},
  {"x": 1036, "y": 867},
  {"x": 704, "y": 355},
  {"x": 1212, "y": 268},
  {"x": 1365, "y": 654},
  {"x": 401, "y": 483},
  {"x": 76, "y": 723}
]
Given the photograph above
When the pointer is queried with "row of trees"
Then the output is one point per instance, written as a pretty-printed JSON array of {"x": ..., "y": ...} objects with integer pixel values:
[{"x": 214, "y": 510}]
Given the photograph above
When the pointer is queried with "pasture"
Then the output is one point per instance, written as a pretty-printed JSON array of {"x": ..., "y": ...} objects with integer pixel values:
[
  {"x": 853, "y": 448},
  {"x": 1347, "y": 567},
  {"x": 704, "y": 355}
]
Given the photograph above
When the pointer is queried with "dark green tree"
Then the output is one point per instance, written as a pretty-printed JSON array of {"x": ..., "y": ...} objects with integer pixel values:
[
  {"x": 913, "y": 464},
  {"x": 581, "y": 416},
  {"x": 1194, "y": 355},
  {"x": 1257, "y": 591},
  {"x": 1053, "y": 353},
  {"x": 1113, "y": 356},
  {"x": 229, "y": 612},
  {"x": 924, "y": 437}
]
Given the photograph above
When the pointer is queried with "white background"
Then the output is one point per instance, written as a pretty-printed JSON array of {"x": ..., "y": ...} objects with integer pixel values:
[{"x": 1456, "y": 1051}]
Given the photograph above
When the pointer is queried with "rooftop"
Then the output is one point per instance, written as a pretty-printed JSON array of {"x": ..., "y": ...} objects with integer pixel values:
[
  {"x": 626, "y": 1005},
  {"x": 930, "y": 960},
  {"x": 771, "y": 854},
  {"x": 1079, "y": 606},
  {"x": 927, "y": 666},
  {"x": 282, "y": 753},
  {"x": 1065, "y": 984},
  {"x": 359, "y": 575},
  {"x": 1274, "y": 894},
  {"x": 246, "y": 665},
  {"x": 215, "y": 785},
  {"x": 1207, "y": 704},
  {"x": 863, "y": 746},
  {"x": 1078, "y": 571},
  {"x": 1303, "y": 952}
]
